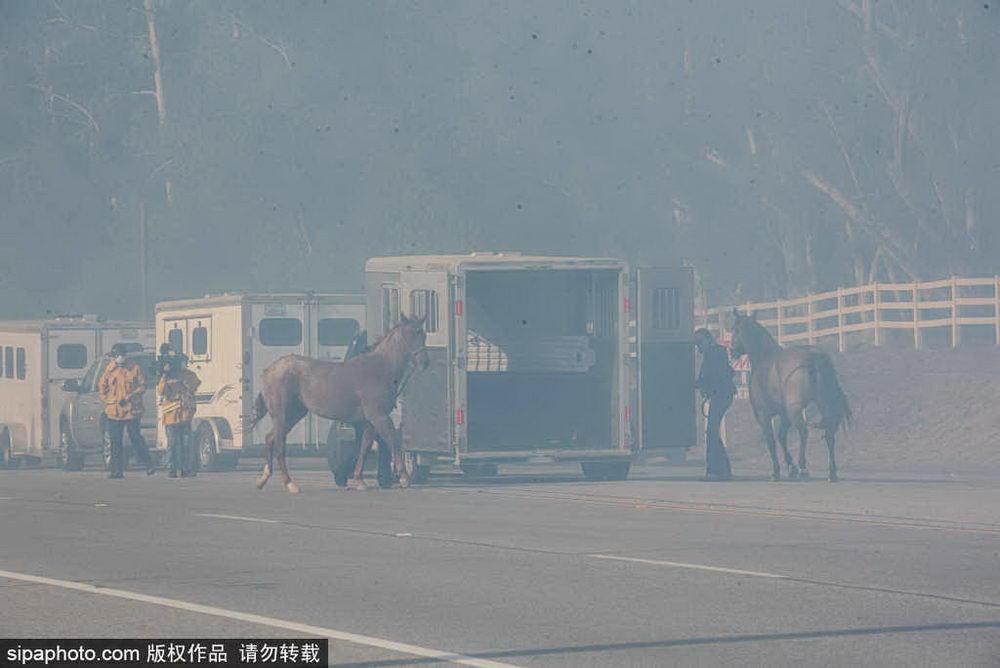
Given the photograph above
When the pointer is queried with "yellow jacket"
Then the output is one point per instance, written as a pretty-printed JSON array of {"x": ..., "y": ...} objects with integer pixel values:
[
  {"x": 177, "y": 404},
  {"x": 118, "y": 383}
]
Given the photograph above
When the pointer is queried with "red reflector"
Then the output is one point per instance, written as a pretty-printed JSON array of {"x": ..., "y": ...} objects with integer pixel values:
[
  {"x": 458, "y": 307},
  {"x": 459, "y": 416},
  {"x": 627, "y": 305}
]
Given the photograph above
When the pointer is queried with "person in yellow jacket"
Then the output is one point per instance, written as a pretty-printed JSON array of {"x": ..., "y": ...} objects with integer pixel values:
[
  {"x": 176, "y": 388},
  {"x": 120, "y": 389}
]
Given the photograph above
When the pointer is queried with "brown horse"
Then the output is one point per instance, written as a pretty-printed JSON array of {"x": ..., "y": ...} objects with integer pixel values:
[
  {"x": 361, "y": 391},
  {"x": 785, "y": 383}
]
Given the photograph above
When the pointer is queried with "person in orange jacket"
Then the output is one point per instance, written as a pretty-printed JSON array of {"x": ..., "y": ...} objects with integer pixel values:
[
  {"x": 120, "y": 389},
  {"x": 176, "y": 388}
]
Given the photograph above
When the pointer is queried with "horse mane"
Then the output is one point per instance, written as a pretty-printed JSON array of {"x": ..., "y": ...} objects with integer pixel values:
[{"x": 767, "y": 341}]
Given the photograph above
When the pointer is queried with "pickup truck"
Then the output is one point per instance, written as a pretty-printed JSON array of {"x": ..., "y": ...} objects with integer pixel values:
[{"x": 81, "y": 420}]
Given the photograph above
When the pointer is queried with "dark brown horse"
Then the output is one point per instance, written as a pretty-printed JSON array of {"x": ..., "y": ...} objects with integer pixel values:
[
  {"x": 361, "y": 391},
  {"x": 785, "y": 383}
]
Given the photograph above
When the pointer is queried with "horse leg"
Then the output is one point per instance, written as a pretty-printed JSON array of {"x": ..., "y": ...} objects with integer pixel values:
[
  {"x": 783, "y": 427},
  {"x": 358, "y": 481},
  {"x": 769, "y": 438},
  {"x": 387, "y": 435},
  {"x": 295, "y": 412},
  {"x": 265, "y": 474},
  {"x": 803, "y": 429},
  {"x": 397, "y": 459},
  {"x": 830, "y": 436}
]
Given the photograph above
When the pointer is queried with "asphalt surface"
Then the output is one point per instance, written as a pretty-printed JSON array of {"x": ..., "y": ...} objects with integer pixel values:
[{"x": 536, "y": 567}]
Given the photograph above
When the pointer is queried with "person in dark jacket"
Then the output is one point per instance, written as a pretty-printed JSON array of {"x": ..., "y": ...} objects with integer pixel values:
[{"x": 715, "y": 382}]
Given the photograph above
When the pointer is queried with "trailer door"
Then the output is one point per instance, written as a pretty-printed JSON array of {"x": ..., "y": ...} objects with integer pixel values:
[
  {"x": 334, "y": 328},
  {"x": 279, "y": 329},
  {"x": 70, "y": 353},
  {"x": 665, "y": 322}
]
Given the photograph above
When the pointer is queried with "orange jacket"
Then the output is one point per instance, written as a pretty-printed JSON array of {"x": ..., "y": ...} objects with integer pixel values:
[
  {"x": 177, "y": 404},
  {"x": 118, "y": 383}
]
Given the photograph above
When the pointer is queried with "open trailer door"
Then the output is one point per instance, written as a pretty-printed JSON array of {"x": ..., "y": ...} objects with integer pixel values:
[{"x": 665, "y": 329}]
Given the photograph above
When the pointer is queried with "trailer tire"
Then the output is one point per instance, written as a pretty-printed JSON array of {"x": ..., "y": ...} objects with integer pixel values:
[
  {"x": 341, "y": 457},
  {"x": 606, "y": 470},
  {"x": 72, "y": 459},
  {"x": 207, "y": 456},
  {"x": 479, "y": 470}
]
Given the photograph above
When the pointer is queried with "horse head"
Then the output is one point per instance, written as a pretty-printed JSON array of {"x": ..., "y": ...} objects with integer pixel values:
[
  {"x": 742, "y": 326},
  {"x": 413, "y": 336}
]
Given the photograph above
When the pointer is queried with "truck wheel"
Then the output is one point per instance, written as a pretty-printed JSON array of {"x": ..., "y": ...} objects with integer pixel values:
[
  {"x": 419, "y": 473},
  {"x": 208, "y": 454},
  {"x": 605, "y": 470},
  {"x": 72, "y": 460},
  {"x": 474, "y": 470}
]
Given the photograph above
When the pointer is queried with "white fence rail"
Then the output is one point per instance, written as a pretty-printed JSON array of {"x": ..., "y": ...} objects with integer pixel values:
[{"x": 951, "y": 303}]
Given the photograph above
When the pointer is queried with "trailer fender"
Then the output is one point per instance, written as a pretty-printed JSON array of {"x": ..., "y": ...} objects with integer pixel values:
[{"x": 220, "y": 429}]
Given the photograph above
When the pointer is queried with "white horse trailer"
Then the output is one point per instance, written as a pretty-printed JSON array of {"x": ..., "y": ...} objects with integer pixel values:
[
  {"x": 230, "y": 339},
  {"x": 36, "y": 358},
  {"x": 536, "y": 359}
]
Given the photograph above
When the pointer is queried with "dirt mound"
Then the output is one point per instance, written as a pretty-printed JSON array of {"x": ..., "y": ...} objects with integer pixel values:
[{"x": 917, "y": 411}]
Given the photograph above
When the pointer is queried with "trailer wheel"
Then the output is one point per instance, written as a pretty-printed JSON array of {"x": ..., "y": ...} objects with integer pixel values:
[
  {"x": 605, "y": 470},
  {"x": 72, "y": 459},
  {"x": 341, "y": 457},
  {"x": 208, "y": 458},
  {"x": 476, "y": 470}
]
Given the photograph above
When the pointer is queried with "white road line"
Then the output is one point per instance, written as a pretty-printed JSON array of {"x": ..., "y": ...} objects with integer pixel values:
[
  {"x": 319, "y": 631},
  {"x": 697, "y": 567},
  {"x": 241, "y": 518}
]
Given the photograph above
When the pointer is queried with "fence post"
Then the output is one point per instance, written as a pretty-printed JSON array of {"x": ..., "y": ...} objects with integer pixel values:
[
  {"x": 916, "y": 315},
  {"x": 954, "y": 312},
  {"x": 840, "y": 319},
  {"x": 781, "y": 324},
  {"x": 877, "y": 315}
]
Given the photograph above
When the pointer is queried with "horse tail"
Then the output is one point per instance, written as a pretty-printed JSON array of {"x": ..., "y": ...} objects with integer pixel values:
[
  {"x": 830, "y": 397},
  {"x": 260, "y": 410}
]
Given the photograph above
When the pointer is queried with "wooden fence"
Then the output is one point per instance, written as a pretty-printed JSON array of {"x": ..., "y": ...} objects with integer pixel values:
[{"x": 950, "y": 304}]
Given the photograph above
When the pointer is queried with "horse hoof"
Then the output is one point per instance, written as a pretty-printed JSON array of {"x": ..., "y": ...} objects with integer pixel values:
[
  {"x": 404, "y": 481},
  {"x": 261, "y": 481},
  {"x": 803, "y": 474},
  {"x": 292, "y": 487},
  {"x": 793, "y": 473},
  {"x": 834, "y": 477},
  {"x": 357, "y": 485}
]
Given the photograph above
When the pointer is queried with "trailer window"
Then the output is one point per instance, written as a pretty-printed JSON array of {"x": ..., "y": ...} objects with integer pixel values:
[
  {"x": 71, "y": 356},
  {"x": 280, "y": 331},
  {"x": 175, "y": 337},
  {"x": 666, "y": 309},
  {"x": 199, "y": 341},
  {"x": 8, "y": 362},
  {"x": 425, "y": 303},
  {"x": 21, "y": 370},
  {"x": 390, "y": 308},
  {"x": 337, "y": 331}
]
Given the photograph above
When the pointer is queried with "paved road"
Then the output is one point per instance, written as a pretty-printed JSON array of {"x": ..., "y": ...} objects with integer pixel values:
[{"x": 535, "y": 568}]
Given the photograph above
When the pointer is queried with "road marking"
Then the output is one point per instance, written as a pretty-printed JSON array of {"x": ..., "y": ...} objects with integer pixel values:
[
  {"x": 796, "y": 579},
  {"x": 681, "y": 564},
  {"x": 241, "y": 518},
  {"x": 322, "y": 632}
]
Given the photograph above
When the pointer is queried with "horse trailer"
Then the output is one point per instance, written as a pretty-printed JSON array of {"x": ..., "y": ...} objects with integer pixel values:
[
  {"x": 36, "y": 358},
  {"x": 230, "y": 339},
  {"x": 540, "y": 359}
]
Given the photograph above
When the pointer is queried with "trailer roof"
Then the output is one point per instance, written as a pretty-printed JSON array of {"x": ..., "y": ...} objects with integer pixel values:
[
  {"x": 479, "y": 260},
  {"x": 70, "y": 322},
  {"x": 232, "y": 298}
]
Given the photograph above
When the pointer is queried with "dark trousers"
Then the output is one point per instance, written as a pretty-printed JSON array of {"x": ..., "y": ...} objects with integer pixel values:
[
  {"x": 116, "y": 429},
  {"x": 716, "y": 458},
  {"x": 179, "y": 442}
]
